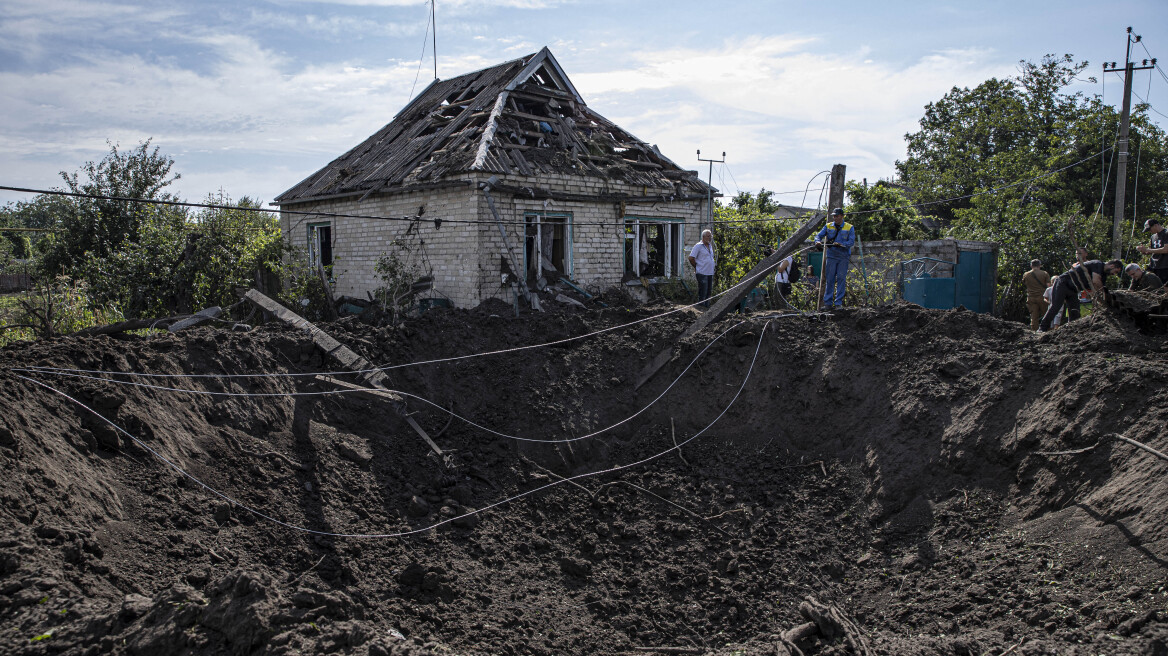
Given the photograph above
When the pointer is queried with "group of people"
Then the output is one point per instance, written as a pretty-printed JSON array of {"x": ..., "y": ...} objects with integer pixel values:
[
  {"x": 1046, "y": 298},
  {"x": 835, "y": 239}
]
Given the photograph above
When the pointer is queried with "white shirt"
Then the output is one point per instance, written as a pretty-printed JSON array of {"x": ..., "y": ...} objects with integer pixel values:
[
  {"x": 704, "y": 257},
  {"x": 782, "y": 276}
]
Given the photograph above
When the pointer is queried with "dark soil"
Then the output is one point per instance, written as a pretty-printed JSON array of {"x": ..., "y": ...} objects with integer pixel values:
[{"x": 887, "y": 463}]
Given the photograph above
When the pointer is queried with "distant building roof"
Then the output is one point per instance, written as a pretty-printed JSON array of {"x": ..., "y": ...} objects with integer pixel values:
[{"x": 793, "y": 212}]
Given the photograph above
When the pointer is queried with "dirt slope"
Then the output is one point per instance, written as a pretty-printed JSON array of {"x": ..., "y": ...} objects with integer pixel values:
[{"x": 887, "y": 462}]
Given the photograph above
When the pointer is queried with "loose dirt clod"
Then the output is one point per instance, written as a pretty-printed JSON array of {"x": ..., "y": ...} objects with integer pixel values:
[{"x": 893, "y": 481}]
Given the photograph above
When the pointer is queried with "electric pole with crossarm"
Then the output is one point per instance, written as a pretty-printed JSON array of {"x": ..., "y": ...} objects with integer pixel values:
[{"x": 1124, "y": 123}]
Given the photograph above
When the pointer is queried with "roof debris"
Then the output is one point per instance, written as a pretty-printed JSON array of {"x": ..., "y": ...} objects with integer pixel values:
[{"x": 522, "y": 117}]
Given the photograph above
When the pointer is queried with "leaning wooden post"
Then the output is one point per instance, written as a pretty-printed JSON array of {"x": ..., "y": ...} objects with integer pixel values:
[
  {"x": 342, "y": 354},
  {"x": 732, "y": 296}
]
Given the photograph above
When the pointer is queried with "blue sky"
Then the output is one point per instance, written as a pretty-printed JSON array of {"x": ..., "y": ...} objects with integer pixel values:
[{"x": 251, "y": 97}]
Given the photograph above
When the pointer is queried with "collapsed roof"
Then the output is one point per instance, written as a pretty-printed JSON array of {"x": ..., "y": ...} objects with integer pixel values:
[{"x": 521, "y": 117}]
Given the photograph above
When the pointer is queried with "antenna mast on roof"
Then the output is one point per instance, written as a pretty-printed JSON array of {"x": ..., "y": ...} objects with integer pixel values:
[{"x": 434, "y": 23}]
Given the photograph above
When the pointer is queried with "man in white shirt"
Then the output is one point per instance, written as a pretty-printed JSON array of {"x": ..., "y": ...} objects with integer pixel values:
[
  {"x": 701, "y": 258},
  {"x": 783, "y": 281}
]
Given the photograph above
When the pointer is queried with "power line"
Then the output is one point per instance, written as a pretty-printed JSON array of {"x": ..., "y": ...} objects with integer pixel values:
[
  {"x": 303, "y": 529},
  {"x": 322, "y": 215},
  {"x": 416, "y": 397},
  {"x": 340, "y": 215},
  {"x": 987, "y": 191},
  {"x": 1148, "y": 104},
  {"x": 423, "y": 57},
  {"x": 387, "y": 367}
]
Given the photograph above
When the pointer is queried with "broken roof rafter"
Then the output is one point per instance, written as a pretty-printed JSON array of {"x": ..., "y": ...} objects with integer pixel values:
[{"x": 522, "y": 117}]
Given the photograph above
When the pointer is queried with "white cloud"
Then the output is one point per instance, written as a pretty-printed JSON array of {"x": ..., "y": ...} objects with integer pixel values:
[
  {"x": 243, "y": 105},
  {"x": 447, "y": 5},
  {"x": 777, "y": 104}
]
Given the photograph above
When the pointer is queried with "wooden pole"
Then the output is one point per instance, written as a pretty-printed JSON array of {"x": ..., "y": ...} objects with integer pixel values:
[
  {"x": 835, "y": 198},
  {"x": 1121, "y": 170},
  {"x": 728, "y": 300},
  {"x": 342, "y": 354}
]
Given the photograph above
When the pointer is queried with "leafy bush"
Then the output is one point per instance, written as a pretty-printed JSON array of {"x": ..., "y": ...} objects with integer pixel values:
[
  {"x": 301, "y": 287},
  {"x": 180, "y": 264},
  {"x": 398, "y": 272},
  {"x": 741, "y": 237},
  {"x": 60, "y": 307}
]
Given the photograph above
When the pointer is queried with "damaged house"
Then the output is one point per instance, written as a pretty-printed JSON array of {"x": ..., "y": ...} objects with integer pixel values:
[{"x": 496, "y": 180}]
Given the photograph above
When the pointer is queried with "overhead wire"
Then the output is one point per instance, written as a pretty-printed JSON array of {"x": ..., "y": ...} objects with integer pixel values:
[
  {"x": 341, "y": 215},
  {"x": 1104, "y": 171},
  {"x": 422, "y": 58},
  {"x": 1147, "y": 103},
  {"x": 1107, "y": 175},
  {"x": 395, "y": 391},
  {"x": 1136, "y": 184},
  {"x": 257, "y": 513},
  {"x": 736, "y": 187},
  {"x": 986, "y": 191},
  {"x": 396, "y": 366}
]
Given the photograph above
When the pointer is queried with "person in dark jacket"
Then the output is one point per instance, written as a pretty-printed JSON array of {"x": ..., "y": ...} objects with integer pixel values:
[{"x": 1088, "y": 276}]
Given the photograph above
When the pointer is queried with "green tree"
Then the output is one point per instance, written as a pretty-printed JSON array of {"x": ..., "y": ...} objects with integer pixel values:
[
  {"x": 1013, "y": 160},
  {"x": 762, "y": 204},
  {"x": 96, "y": 227},
  {"x": 44, "y": 211},
  {"x": 743, "y": 230},
  {"x": 180, "y": 264},
  {"x": 882, "y": 212}
]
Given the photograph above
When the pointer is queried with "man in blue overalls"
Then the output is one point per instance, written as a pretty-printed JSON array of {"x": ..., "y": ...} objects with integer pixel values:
[{"x": 836, "y": 239}]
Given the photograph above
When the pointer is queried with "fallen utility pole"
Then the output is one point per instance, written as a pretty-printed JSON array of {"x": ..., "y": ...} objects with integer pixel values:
[
  {"x": 342, "y": 354},
  {"x": 735, "y": 294},
  {"x": 173, "y": 324}
]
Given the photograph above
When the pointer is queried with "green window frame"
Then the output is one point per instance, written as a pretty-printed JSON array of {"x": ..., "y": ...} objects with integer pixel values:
[{"x": 663, "y": 241}]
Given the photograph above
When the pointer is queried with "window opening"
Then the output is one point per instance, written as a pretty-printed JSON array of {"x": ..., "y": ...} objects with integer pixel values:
[
  {"x": 547, "y": 246},
  {"x": 320, "y": 244},
  {"x": 653, "y": 248}
]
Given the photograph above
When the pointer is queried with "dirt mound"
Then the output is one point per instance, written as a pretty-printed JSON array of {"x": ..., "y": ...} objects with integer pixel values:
[{"x": 942, "y": 481}]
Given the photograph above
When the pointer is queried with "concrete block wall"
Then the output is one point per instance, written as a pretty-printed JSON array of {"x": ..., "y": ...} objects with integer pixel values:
[
  {"x": 466, "y": 257},
  {"x": 884, "y": 255}
]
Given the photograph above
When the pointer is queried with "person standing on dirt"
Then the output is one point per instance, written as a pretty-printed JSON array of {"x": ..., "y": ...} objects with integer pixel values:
[
  {"x": 1158, "y": 248},
  {"x": 1142, "y": 281},
  {"x": 836, "y": 239},
  {"x": 1072, "y": 309},
  {"x": 1035, "y": 281},
  {"x": 783, "y": 280},
  {"x": 701, "y": 258},
  {"x": 1088, "y": 276}
]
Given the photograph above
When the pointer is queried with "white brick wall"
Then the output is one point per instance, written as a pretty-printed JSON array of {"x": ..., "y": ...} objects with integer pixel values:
[{"x": 465, "y": 257}]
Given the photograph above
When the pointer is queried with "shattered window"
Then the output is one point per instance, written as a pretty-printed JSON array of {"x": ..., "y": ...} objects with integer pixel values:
[
  {"x": 547, "y": 245},
  {"x": 654, "y": 248},
  {"x": 320, "y": 244}
]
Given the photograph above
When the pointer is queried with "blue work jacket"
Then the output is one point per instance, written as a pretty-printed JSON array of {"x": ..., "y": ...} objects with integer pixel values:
[{"x": 844, "y": 235}]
